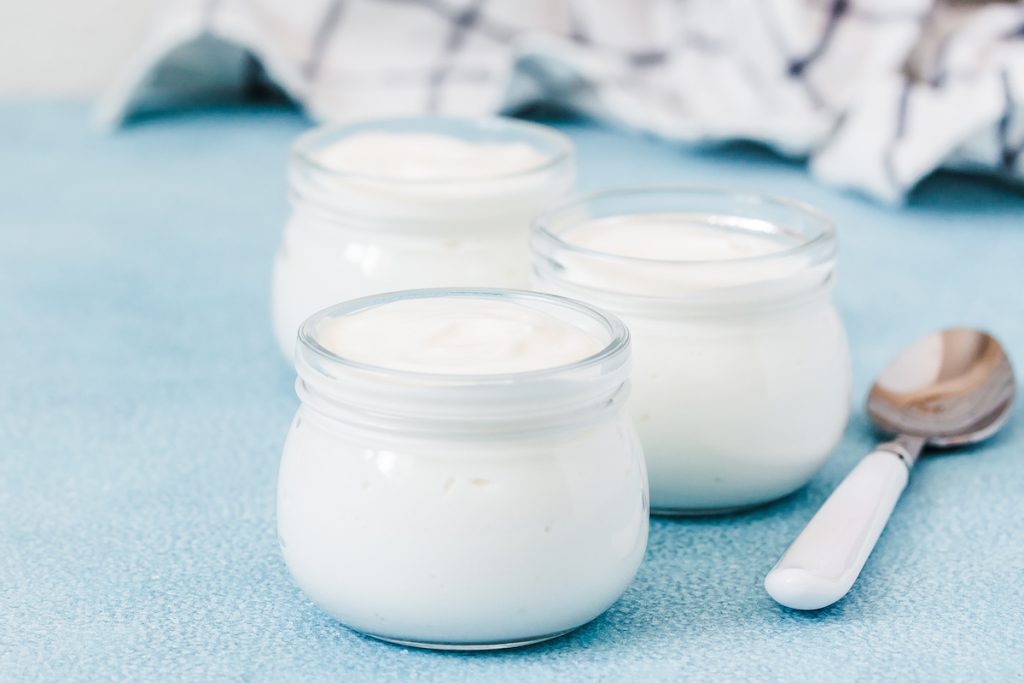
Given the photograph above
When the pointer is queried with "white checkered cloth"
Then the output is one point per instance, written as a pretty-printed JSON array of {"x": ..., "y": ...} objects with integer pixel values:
[{"x": 877, "y": 93}]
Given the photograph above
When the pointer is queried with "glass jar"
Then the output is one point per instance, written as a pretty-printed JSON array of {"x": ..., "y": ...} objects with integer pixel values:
[
  {"x": 460, "y": 222},
  {"x": 463, "y": 511},
  {"x": 741, "y": 371}
]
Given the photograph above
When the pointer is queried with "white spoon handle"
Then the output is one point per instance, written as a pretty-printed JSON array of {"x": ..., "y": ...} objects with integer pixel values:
[{"x": 825, "y": 559}]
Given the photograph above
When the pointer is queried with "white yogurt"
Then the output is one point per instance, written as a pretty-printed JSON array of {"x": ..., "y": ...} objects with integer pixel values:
[
  {"x": 428, "y": 157},
  {"x": 741, "y": 379},
  {"x": 393, "y": 205},
  {"x": 463, "y": 336},
  {"x": 462, "y": 472}
]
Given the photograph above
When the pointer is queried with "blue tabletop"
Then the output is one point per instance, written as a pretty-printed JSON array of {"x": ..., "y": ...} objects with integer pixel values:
[{"x": 143, "y": 406}]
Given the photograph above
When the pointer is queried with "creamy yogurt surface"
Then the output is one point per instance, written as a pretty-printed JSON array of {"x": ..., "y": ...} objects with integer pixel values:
[
  {"x": 458, "y": 336},
  {"x": 671, "y": 254},
  {"x": 680, "y": 237},
  {"x": 432, "y": 157}
]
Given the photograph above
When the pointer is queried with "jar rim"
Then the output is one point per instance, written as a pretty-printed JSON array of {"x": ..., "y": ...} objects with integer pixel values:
[
  {"x": 304, "y": 148},
  {"x": 823, "y": 240},
  {"x": 617, "y": 346},
  {"x": 714, "y": 287}
]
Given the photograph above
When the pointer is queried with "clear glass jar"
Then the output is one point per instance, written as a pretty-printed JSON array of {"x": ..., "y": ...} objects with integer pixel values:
[
  {"x": 463, "y": 511},
  {"x": 741, "y": 370},
  {"x": 351, "y": 234}
]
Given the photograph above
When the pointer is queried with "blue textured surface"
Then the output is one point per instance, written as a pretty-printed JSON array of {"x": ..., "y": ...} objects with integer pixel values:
[{"x": 143, "y": 406}]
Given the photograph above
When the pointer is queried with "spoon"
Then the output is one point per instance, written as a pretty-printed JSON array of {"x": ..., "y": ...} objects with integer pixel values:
[{"x": 951, "y": 388}]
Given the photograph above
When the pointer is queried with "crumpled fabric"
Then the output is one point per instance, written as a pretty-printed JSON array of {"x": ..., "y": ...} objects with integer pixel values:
[{"x": 877, "y": 94}]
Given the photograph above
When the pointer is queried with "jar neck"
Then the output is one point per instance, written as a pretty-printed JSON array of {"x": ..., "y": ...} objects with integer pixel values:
[
  {"x": 324, "y": 223},
  {"x": 508, "y": 418},
  {"x": 809, "y": 288},
  {"x": 439, "y": 208}
]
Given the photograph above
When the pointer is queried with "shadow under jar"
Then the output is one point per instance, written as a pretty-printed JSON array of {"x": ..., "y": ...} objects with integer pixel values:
[
  {"x": 741, "y": 371},
  {"x": 463, "y": 508},
  {"x": 398, "y": 204}
]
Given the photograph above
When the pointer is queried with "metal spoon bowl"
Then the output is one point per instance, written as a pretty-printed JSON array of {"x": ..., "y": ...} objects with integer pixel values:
[{"x": 951, "y": 388}]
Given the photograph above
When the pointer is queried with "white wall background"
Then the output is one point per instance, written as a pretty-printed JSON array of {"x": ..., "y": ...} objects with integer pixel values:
[{"x": 66, "y": 48}]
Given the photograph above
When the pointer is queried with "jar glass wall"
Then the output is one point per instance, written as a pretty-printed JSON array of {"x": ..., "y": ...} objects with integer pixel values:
[
  {"x": 741, "y": 380},
  {"x": 419, "y": 202},
  {"x": 463, "y": 511}
]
